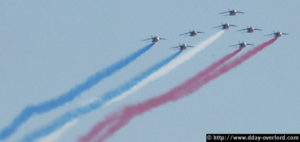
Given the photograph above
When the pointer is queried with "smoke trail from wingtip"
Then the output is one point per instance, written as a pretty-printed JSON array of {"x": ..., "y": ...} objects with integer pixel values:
[
  {"x": 225, "y": 68},
  {"x": 67, "y": 117},
  {"x": 111, "y": 120},
  {"x": 55, "y": 136},
  {"x": 49, "y": 105},
  {"x": 128, "y": 113}
]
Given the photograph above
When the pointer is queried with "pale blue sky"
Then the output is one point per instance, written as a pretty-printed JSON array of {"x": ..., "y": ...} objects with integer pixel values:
[{"x": 47, "y": 47}]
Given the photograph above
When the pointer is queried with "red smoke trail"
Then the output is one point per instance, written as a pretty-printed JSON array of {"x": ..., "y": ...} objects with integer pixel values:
[
  {"x": 185, "y": 89},
  {"x": 225, "y": 68},
  {"x": 212, "y": 67},
  {"x": 106, "y": 123}
]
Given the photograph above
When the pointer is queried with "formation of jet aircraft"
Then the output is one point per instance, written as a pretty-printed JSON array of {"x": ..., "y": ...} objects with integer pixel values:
[{"x": 225, "y": 26}]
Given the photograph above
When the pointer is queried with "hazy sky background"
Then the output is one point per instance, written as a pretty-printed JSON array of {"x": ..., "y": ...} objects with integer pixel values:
[{"x": 48, "y": 47}]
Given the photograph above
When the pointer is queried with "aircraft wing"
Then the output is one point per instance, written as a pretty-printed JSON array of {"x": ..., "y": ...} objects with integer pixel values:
[
  {"x": 147, "y": 39},
  {"x": 269, "y": 34},
  {"x": 185, "y": 33},
  {"x": 257, "y": 29},
  {"x": 161, "y": 38},
  {"x": 175, "y": 47},
  {"x": 218, "y": 26},
  {"x": 234, "y": 45},
  {"x": 243, "y": 29},
  {"x": 224, "y": 12}
]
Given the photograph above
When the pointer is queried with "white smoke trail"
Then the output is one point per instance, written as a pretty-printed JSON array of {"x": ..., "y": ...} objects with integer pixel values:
[
  {"x": 54, "y": 137},
  {"x": 169, "y": 67}
]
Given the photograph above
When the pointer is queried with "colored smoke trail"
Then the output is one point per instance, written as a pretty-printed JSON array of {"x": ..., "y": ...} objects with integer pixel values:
[
  {"x": 163, "y": 71},
  {"x": 125, "y": 115},
  {"x": 163, "y": 99},
  {"x": 227, "y": 67},
  {"x": 49, "y": 105},
  {"x": 55, "y": 136},
  {"x": 68, "y": 116},
  {"x": 213, "y": 67},
  {"x": 111, "y": 120}
]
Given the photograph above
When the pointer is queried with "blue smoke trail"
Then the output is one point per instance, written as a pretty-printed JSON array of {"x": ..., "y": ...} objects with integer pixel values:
[
  {"x": 47, "y": 106},
  {"x": 61, "y": 121}
]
